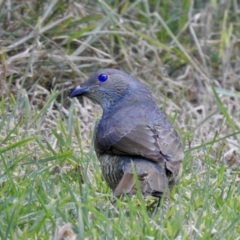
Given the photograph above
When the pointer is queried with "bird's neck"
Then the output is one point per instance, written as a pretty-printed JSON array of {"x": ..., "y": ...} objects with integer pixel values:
[{"x": 111, "y": 104}]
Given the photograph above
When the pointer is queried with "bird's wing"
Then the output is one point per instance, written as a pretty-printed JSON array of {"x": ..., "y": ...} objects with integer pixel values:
[
  {"x": 171, "y": 148},
  {"x": 154, "y": 143}
]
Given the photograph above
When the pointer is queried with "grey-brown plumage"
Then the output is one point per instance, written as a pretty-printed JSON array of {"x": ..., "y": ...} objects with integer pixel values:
[{"x": 133, "y": 132}]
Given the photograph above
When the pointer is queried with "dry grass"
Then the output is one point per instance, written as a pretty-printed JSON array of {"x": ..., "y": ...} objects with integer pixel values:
[{"x": 187, "y": 53}]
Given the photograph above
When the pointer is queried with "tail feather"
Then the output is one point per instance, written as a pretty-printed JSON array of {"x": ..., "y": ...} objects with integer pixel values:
[{"x": 152, "y": 179}]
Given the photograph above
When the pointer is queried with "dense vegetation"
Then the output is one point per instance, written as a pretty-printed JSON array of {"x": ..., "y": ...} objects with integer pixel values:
[{"x": 187, "y": 52}]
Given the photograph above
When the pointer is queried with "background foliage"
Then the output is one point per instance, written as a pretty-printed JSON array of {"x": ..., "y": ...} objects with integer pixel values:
[{"x": 187, "y": 52}]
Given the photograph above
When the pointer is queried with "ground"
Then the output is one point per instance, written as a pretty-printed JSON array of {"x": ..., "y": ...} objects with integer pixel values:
[{"x": 186, "y": 52}]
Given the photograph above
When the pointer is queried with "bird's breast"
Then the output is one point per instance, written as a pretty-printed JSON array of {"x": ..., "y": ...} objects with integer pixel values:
[{"x": 112, "y": 168}]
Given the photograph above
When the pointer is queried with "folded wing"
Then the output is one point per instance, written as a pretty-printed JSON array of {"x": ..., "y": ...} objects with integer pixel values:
[{"x": 152, "y": 142}]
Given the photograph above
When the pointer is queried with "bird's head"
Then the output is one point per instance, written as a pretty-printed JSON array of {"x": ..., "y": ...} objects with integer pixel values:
[{"x": 106, "y": 87}]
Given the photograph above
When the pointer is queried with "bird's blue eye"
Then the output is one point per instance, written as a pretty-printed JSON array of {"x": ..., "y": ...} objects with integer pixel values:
[{"x": 103, "y": 77}]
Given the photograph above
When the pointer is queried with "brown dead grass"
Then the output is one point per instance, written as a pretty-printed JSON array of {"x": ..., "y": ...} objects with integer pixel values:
[{"x": 42, "y": 49}]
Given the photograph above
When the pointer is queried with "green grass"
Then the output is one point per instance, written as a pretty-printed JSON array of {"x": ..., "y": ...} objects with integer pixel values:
[{"x": 187, "y": 53}]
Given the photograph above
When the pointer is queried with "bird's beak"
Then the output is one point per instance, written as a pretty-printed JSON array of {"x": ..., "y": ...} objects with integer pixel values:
[{"x": 78, "y": 91}]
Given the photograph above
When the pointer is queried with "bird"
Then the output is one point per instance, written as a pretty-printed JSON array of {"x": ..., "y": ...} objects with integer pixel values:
[{"x": 133, "y": 138}]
